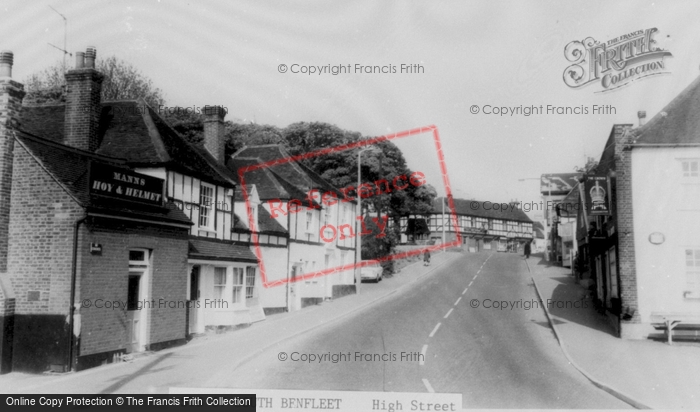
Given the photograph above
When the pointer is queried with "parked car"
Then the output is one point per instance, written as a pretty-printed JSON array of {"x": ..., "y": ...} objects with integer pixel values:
[{"x": 373, "y": 270}]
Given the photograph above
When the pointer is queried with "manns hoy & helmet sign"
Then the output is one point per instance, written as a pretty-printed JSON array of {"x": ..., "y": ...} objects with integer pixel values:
[{"x": 614, "y": 63}]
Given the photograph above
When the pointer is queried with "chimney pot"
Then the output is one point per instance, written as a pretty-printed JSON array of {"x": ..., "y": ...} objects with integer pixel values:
[
  {"x": 79, "y": 60},
  {"x": 6, "y": 60},
  {"x": 90, "y": 56},
  {"x": 642, "y": 117}
]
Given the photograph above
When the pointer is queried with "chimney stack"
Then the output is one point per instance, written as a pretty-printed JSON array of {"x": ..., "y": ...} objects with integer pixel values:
[
  {"x": 214, "y": 131},
  {"x": 6, "y": 59},
  {"x": 11, "y": 95},
  {"x": 83, "y": 108},
  {"x": 642, "y": 115}
]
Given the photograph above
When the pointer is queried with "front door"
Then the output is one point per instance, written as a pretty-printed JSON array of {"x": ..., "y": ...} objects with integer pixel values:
[
  {"x": 294, "y": 292},
  {"x": 192, "y": 302},
  {"x": 133, "y": 313}
]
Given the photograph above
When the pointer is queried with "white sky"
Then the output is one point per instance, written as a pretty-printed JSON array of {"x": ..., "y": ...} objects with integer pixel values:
[{"x": 473, "y": 53}]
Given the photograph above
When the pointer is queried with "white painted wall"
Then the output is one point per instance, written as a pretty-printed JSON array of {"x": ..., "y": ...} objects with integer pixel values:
[{"x": 667, "y": 203}]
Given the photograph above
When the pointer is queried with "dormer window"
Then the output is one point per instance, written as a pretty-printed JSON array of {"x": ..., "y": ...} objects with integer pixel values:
[{"x": 206, "y": 209}]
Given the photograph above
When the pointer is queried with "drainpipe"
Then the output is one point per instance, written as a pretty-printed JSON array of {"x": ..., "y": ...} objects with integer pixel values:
[{"x": 73, "y": 276}]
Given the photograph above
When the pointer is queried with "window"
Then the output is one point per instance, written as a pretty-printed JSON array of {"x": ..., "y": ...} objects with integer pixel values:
[
  {"x": 249, "y": 282},
  {"x": 311, "y": 268},
  {"x": 482, "y": 223},
  {"x": 691, "y": 167},
  {"x": 206, "y": 200},
  {"x": 498, "y": 225},
  {"x": 219, "y": 283},
  {"x": 692, "y": 273},
  {"x": 328, "y": 231},
  {"x": 238, "y": 280},
  {"x": 466, "y": 221},
  {"x": 309, "y": 221}
]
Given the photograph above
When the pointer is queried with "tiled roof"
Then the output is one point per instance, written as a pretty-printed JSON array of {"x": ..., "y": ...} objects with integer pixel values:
[
  {"x": 291, "y": 180},
  {"x": 70, "y": 167},
  {"x": 208, "y": 249},
  {"x": 484, "y": 209},
  {"x": 263, "y": 179},
  {"x": 295, "y": 173},
  {"x": 267, "y": 224},
  {"x": 133, "y": 131},
  {"x": 44, "y": 120},
  {"x": 678, "y": 122}
]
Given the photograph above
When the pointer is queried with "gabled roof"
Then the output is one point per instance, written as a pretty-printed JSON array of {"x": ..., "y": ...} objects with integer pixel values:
[
  {"x": 268, "y": 186},
  {"x": 70, "y": 166},
  {"x": 290, "y": 180},
  {"x": 293, "y": 171},
  {"x": 465, "y": 207},
  {"x": 133, "y": 131},
  {"x": 677, "y": 123}
]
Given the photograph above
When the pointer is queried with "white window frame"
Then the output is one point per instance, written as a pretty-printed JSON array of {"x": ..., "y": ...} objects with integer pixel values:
[
  {"x": 250, "y": 283},
  {"x": 237, "y": 285},
  {"x": 210, "y": 208},
  {"x": 691, "y": 264},
  {"x": 687, "y": 168},
  {"x": 220, "y": 287},
  {"x": 309, "y": 221}
]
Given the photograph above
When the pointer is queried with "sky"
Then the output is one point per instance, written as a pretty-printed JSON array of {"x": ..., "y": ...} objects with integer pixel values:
[{"x": 479, "y": 54}]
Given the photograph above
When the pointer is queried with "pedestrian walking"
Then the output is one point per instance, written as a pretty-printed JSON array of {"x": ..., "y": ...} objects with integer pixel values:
[
  {"x": 426, "y": 258},
  {"x": 527, "y": 250}
]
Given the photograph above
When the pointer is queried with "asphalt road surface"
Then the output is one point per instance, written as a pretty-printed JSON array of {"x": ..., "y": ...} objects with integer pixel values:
[{"x": 444, "y": 334}]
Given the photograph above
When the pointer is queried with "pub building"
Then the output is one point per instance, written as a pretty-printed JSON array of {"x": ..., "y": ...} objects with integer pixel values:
[{"x": 115, "y": 232}]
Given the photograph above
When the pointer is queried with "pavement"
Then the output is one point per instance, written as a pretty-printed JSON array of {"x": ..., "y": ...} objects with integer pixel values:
[
  {"x": 148, "y": 373},
  {"x": 643, "y": 373}
]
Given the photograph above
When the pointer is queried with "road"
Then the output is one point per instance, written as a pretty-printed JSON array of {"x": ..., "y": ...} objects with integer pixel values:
[{"x": 494, "y": 358}]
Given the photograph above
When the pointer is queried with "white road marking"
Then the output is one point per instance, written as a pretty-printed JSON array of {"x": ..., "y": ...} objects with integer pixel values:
[
  {"x": 427, "y": 386},
  {"x": 458, "y": 301},
  {"x": 422, "y": 353},
  {"x": 448, "y": 314},
  {"x": 465, "y": 290},
  {"x": 470, "y": 283},
  {"x": 434, "y": 330}
]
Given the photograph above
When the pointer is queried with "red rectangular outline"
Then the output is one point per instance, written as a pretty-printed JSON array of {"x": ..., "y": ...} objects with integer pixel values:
[{"x": 355, "y": 145}]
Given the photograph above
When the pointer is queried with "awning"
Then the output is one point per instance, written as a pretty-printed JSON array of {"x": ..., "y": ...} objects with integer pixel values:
[{"x": 205, "y": 249}]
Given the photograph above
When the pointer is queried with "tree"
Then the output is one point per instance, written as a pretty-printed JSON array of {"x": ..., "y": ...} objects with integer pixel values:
[{"x": 121, "y": 81}]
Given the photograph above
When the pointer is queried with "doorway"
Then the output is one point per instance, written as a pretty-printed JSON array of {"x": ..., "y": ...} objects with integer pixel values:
[{"x": 137, "y": 302}]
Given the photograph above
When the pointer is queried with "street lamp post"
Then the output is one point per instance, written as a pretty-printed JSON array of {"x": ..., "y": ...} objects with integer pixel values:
[{"x": 358, "y": 231}]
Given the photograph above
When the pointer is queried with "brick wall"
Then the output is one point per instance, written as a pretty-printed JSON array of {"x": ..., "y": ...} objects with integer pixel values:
[
  {"x": 625, "y": 229},
  {"x": 105, "y": 276},
  {"x": 11, "y": 94},
  {"x": 41, "y": 238}
]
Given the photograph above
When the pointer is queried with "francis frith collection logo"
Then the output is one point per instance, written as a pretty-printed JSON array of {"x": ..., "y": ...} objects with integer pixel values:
[{"x": 615, "y": 63}]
